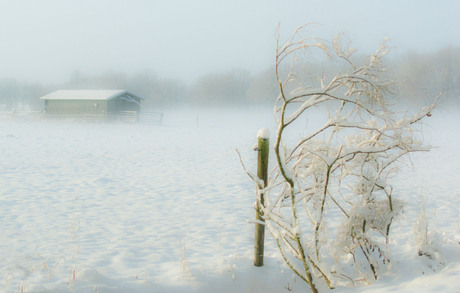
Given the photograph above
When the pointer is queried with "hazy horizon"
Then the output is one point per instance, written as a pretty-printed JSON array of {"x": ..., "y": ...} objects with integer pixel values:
[{"x": 46, "y": 41}]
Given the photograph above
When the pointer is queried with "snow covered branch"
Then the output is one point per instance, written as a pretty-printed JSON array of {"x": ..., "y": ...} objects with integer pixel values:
[{"x": 340, "y": 169}]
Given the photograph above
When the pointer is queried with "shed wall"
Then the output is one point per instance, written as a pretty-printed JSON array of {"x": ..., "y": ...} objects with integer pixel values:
[{"x": 75, "y": 107}]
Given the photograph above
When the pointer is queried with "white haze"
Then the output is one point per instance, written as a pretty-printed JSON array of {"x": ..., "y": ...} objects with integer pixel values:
[{"x": 47, "y": 40}]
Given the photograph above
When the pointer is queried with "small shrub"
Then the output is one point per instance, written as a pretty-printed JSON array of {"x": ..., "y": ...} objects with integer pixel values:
[{"x": 339, "y": 172}]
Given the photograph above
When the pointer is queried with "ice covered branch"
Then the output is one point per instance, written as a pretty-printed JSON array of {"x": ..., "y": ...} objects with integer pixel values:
[{"x": 339, "y": 169}]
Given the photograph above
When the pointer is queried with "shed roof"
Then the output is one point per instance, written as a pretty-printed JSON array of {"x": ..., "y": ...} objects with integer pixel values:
[{"x": 86, "y": 95}]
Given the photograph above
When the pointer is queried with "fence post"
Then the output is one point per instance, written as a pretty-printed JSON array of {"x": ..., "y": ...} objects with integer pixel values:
[{"x": 263, "y": 137}]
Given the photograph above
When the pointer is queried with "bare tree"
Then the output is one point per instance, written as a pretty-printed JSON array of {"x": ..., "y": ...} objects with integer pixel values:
[
  {"x": 229, "y": 88},
  {"x": 327, "y": 203},
  {"x": 420, "y": 76},
  {"x": 263, "y": 88}
]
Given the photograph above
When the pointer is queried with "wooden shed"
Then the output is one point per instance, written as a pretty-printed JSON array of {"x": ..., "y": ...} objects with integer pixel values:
[{"x": 92, "y": 103}]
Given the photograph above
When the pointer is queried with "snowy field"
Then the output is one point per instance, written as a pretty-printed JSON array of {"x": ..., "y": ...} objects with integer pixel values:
[{"x": 143, "y": 208}]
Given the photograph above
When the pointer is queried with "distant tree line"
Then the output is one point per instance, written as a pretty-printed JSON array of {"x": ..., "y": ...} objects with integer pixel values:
[
  {"x": 418, "y": 77},
  {"x": 423, "y": 76},
  {"x": 20, "y": 96}
]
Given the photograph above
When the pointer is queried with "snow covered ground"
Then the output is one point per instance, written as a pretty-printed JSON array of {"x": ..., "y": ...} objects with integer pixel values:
[{"x": 143, "y": 208}]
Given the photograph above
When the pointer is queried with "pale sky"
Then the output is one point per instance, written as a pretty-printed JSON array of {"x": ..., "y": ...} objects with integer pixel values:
[{"x": 47, "y": 40}]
